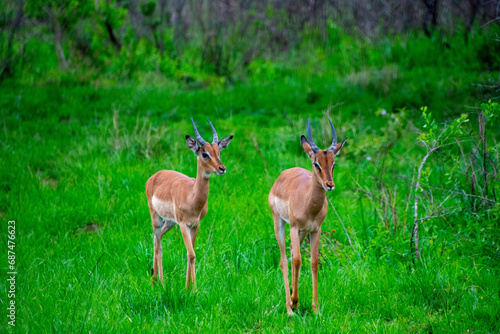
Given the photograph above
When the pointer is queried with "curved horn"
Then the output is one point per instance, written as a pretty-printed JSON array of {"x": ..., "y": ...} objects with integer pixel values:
[
  {"x": 198, "y": 137},
  {"x": 310, "y": 138},
  {"x": 216, "y": 138},
  {"x": 333, "y": 147}
]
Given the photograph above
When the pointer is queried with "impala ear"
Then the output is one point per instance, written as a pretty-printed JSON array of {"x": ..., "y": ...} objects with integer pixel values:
[
  {"x": 306, "y": 146},
  {"x": 224, "y": 142},
  {"x": 192, "y": 144},
  {"x": 339, "y": 147}
]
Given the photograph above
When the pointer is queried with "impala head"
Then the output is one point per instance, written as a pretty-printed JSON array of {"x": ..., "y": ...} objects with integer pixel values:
[
  {"x": 208, "y": 153},
  {"x": 323, "y": 160}
]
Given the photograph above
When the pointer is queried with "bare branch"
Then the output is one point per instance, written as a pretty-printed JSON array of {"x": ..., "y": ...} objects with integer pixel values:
[
  {"x": 442, "y": 215},
  {"x": 436, "y": 210},
  {"x": 402, "y": 255},
  {"x": 465, "y": 194},
  {"x": 348, "y": 238}
]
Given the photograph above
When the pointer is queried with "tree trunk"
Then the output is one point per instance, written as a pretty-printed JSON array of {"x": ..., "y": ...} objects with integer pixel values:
[
  {"x": 430, "y": 15},
  {"x": 112, "y": 36},
  {"x": 414, "y": 234},
  {"x": 474, "y": 8},
  {"x": 58, "y": 36},
  {"x": 177, "y": 22},
  {"x": 6, "y": 69}
]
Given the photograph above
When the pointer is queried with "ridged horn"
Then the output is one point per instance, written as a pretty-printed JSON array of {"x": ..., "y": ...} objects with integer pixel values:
[
  {"x": 216, "y": 138},
  {"x": 333, "y": 147},
  {"x": 310, "y": 138},
  {"x": 198, "y": 137}
]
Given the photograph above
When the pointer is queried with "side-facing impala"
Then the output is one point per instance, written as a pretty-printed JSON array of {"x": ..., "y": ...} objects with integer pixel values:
[
  {"x": 298, "y": 197},
  {"x": 174, "y": 198}
]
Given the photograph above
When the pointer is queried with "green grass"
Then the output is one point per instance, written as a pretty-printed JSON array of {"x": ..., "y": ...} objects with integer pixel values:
[{"x": 74, "y": 162}]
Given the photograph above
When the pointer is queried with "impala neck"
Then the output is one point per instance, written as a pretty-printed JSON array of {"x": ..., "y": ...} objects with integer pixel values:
[
  {"x": 200, "y": 188},
  {"x": 315, "y": 196}
]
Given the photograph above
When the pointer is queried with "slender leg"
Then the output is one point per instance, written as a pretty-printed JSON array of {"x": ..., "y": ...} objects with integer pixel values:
[
  {"x": 314, "y": 268},
  {"x": 293, "y": 268},
  {"x": 156, "y": 243},
  {"x": 194, "y": 233},
  {"x": 159, "y": 254},
  {"x": 160, "y": 227},
  {"x": 163, "y": 228},
  {"x": 296, "y": 262},
  {"x": 279, "y": 230},
  {"x": 154, "y": 270},
  {"x": 302, "y": 236},
  {"x": 186, "y": 235}
]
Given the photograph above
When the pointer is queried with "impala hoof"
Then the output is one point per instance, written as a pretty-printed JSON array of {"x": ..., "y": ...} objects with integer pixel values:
[
  {"x": 315, "y": 309},
  {"x": 152, "y": 272},
  {"x": 154, "y": 278}
]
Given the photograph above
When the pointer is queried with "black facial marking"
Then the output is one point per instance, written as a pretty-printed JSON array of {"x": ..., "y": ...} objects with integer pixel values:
[{"x": 316, "y": 164}]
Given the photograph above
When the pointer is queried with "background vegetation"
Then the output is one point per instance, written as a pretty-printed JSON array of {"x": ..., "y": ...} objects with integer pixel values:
[{"x": 96, "y": 96}]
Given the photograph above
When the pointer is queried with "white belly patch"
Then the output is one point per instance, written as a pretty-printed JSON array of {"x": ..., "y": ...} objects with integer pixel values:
[
  {"x": 165, "y": 210},
  {"x": 282, "y": 208}
]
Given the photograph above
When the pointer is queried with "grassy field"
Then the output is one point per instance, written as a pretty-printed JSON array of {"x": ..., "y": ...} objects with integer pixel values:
[{"x": 75, "y": 159}]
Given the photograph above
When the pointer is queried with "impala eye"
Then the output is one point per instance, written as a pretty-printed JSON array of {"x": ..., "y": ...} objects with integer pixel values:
[
  {"x": 205, "y": 155},
  {"x": 317, "y": 165}
]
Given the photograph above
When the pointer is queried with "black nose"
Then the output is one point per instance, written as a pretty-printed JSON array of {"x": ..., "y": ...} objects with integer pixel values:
[{"x": 222, "y": 169}]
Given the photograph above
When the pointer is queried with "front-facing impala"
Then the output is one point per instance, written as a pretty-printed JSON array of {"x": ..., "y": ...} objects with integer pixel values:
[
  {"x": 174, "y": 198},
  {"x": 298, "y": 197}
]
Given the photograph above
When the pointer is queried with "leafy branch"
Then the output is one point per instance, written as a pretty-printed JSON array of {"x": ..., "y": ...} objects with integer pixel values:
[{"x": 434, "y": 139}]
